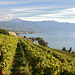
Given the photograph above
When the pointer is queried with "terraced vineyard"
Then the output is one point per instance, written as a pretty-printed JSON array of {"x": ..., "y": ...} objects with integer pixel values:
[
  {"x": 23, "y": 57},
  {"x": 8, "y": 45}
]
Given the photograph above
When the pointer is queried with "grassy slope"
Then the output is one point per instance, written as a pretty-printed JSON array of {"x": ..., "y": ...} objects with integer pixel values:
[
  {"x": 39, "y": 60},
  {"x": 54, "y": 60}
]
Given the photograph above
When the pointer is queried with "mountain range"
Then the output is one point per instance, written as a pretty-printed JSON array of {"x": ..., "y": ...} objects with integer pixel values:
[{"x": 18, "y": 25}]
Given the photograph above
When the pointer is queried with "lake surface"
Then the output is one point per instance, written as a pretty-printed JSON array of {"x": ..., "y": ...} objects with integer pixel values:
[{"x": 56, "y": 40}]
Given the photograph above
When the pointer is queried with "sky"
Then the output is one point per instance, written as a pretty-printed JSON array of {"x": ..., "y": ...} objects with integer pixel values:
[{"x": 38, "y": 10}]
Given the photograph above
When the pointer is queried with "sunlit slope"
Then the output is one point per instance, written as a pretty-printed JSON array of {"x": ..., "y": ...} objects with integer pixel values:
[
  {"x": 48, "y": 61},
  {"x": 19, "y": 56},
  {"x": 8, "y": 45},
  {"x": 12, "y": 58}
]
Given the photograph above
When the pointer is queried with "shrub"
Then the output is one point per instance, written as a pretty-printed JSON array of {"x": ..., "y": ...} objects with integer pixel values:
[{"x": 3, "y": 31}]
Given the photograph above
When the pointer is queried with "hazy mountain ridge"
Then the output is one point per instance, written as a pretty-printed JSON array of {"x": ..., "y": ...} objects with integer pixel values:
[{"x": 21, "y": 25}]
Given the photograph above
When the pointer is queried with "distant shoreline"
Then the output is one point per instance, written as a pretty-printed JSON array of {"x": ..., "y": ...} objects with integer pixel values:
[{"x": 26, "y": 32}]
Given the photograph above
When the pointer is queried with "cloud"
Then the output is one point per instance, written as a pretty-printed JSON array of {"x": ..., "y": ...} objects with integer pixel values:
[
  {"x": 32, "y": 8},
  {"x": 61, "y": 15},
  {"x": 22, "y": 9},
  {"x": 63, "y": 12},
  {"x": 6, "y": 17},
  {"x": 46, "y": 19},
  {"x": 5, "y": 3},
  {"x": 12, "y": 2},
  {"x": 8, "y": 2},
  {"x": 65, "y": 15},
  {"x": 34, "y": 11},
  {"x": 42, "y": 13}
]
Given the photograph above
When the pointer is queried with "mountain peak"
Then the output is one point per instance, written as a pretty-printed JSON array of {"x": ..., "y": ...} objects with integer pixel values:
[{"x": 16, "y": 19}]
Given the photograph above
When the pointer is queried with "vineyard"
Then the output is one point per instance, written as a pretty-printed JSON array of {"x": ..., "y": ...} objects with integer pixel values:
[{"x": 19, "y": 56}]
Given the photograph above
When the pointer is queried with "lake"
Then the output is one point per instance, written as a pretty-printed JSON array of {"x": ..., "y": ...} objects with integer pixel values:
[{"x": 56, "y": 40}]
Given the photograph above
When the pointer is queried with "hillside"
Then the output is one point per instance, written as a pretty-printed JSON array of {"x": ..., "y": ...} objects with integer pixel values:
[
  {"x": 23, "y": 57},
  {"x": 3, "y": 31},
  {"x": 18, "y": 25}
]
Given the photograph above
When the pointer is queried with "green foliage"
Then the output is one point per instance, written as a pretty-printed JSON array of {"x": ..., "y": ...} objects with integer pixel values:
[
  {"x": 8, "y": 45},
  {"x": 70, "y": 49},
  {"x": 47, "y": 61},
  {"x": 23, "y": 57},
  {"x": 24, "y": 36},
  {"x": 20, "y": 66},
  {"x": 64, "y": 49},
  {"x": 3, "y": 31},
  {"x": 12, "y": 57},
  {"x": 42, "y": 42}
]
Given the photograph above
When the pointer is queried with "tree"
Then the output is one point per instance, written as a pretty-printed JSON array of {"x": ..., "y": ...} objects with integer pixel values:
[
  {"x": 24, "y": 36},
  {"x": 3, "y": 31},
  {"x": 70, "y": 50},
  {"x": 64, "y": 49},
  {"x": 43, "y": 43}
]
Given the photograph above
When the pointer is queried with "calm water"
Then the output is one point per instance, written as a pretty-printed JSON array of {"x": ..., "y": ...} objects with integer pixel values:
[{"x": 56, "y": 40}]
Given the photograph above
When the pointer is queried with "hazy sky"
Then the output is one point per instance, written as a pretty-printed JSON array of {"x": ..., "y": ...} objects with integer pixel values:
[{"x": 38, "y": 10}]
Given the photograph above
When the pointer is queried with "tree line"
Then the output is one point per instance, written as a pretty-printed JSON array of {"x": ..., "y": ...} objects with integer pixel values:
[{"x": 41, "y": 41}]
